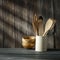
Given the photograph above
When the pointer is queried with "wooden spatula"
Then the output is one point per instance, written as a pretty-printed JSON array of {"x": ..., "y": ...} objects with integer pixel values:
[
  {"x": 49, "y": 25},
  {"x": 35, "y": 24}
]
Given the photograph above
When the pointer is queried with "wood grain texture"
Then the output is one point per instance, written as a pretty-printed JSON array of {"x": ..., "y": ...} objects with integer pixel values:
[
  {"x": 1, "y": 28},
  {"x": 49, "y": 14},
  {"x": 8, "y": 29},
  {"x": 16, "y": 20},
  {"x": 57, "y": 17}
]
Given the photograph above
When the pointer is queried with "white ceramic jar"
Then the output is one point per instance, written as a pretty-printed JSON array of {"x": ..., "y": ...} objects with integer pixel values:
[{"x": 40, "y": 44}]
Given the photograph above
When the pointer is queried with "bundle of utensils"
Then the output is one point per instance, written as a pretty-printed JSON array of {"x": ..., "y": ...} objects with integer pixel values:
[{"x": 39, "y": 27}]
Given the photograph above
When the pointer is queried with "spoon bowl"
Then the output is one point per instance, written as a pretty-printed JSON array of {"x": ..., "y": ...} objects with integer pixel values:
[{"x": 49, "y": 25}]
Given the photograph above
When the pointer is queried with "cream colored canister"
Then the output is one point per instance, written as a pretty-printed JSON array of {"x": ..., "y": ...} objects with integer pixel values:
[{"x": 40, "y": 44}]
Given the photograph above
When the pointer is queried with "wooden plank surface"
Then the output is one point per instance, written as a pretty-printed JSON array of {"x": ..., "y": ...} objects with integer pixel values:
[
  {"x": 25, "y": 54},
  {"x": 16, "y": 20},
  {"x": 8, "y": 29},
  {"x": 49, "y": 14},
  {"x": 1, "y": 28},
  {"x": 57, "y": 17}
]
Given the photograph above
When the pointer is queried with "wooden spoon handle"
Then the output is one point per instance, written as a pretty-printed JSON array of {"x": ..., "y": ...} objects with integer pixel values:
[{"x": 45, "y": 33}]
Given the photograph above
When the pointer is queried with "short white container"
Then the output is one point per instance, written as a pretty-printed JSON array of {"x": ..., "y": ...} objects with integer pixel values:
[{"x": 40, "y": 44}]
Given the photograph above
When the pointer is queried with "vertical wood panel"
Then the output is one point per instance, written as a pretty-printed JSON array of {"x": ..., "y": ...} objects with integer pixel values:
[
  {"x": 49, "y": 14},
  {"x": 29, "y": 18},
  {"x": 19, "y": 22},
  {"x": 1, "y": 26},
  {"x": 57, "y": 17},
  {"x": 8, "y": 29}
]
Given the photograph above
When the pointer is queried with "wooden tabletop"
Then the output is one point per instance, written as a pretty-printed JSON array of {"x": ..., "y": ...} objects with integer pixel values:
[{"x": 27, "y": 54}]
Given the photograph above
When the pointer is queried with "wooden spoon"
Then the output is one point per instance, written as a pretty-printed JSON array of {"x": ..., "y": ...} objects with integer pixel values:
[
  {"x": 49, "y": 25},
  {"x": 40, "y": 25},
  {"x": 35, "y": 24}
]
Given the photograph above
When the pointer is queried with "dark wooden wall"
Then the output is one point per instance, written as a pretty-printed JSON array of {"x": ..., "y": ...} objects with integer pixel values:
[{"x": 16, "y": 20}]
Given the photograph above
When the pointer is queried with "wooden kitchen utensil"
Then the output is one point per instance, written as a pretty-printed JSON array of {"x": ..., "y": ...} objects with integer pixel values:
[
  {"x": 49, "y": 25},
  {"x": 40, "y": 25},
  {"x": 35, "y": 24},
  {"x": 54, "y": 21}
]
